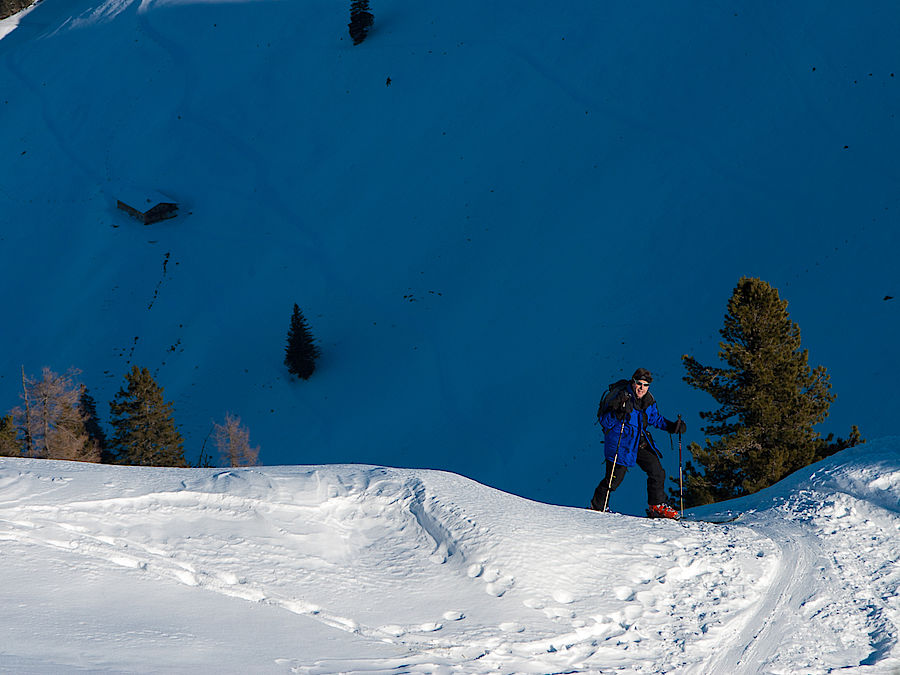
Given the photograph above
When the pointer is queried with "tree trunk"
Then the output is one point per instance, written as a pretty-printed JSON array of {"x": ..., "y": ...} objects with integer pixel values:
[{"x": 29, "y": 443}]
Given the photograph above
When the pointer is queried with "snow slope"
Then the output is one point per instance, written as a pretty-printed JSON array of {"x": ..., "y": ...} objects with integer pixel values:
[
  {"x": 362, "y": 569},
  {"x": 542, "y": 199}
]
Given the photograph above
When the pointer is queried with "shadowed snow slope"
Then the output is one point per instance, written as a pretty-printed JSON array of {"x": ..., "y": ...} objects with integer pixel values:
[
  {"x": 487, "y": 212},
  {"x": 349, "y": 568}
]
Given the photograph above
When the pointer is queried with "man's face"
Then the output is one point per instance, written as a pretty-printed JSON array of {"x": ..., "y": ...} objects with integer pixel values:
[{"x": 640, "y": 387}]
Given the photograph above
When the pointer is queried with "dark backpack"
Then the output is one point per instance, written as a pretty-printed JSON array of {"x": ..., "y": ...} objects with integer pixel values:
[{"x": 610, "y": 395}]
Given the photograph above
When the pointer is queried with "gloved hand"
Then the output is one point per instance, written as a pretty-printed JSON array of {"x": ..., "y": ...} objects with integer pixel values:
[
  {"x": 622, "y": 405},
  {"x": 677, "y": 427}
]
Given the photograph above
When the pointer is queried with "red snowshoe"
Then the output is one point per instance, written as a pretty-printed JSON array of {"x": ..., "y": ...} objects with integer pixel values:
[{"x": 662, "y": 511}]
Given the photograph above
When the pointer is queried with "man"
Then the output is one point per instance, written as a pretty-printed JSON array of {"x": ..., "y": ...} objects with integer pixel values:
[{"x": 628, "y": 442}]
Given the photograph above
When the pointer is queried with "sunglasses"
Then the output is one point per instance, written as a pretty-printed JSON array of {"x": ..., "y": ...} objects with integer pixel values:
[{"x": 641, "y": 383}]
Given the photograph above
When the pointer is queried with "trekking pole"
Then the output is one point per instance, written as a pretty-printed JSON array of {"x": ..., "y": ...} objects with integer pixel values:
[
  {"x": 680, "y": 473},
  {"x": 612, "y": 471}
]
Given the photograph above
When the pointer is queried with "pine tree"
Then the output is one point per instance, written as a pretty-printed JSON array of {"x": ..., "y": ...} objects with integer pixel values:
[
  {"x": 52, "y": 419},
  {"x": 9, "y": 444},
  {"x": 233, "y": 443},
  {"x": 828, "y": 447},
  {"x": 770, "y": 400},
  {"x": 361, "y": 19},
  {"x": 96, "y": 435},
  {"x": 144, "y": 432},
  {"x": 301, "y": 351}
]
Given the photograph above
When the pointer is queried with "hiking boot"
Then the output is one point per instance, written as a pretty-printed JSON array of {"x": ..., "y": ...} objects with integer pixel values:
[
  {"x": 594, "y": 507},
  {"x": 662, "y": 511}
]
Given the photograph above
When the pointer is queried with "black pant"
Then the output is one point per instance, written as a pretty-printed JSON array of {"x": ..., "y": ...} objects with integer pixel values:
[{"x": 648, "y": 461}]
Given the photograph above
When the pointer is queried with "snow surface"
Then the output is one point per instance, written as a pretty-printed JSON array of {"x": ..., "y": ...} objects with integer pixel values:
[
  {"x": 544, "y": 198},
  {"x": 363, "y": 569}
]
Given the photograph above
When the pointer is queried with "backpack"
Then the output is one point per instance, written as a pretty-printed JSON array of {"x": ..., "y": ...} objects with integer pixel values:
[{"x": 610, "y": 395}]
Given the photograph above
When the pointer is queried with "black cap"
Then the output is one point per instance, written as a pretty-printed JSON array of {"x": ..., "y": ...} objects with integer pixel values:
[{"x": 642, "y": 374}]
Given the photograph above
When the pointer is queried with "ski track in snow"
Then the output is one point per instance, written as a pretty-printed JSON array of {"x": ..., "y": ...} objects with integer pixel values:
[
  {"x": 468, "y": 579},
  {"x": 833, "y": 602},
  {"x": 759, "y": 641}
]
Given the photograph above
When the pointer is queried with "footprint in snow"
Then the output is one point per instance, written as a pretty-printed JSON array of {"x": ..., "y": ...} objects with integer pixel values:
[
  {"x": 632, "y": 612},
  {"x": 229, "y": 578},
  {"x": 491, "y": 574},
  {"x": 563, "y": 597},
  {"x": 499, "y": 587},
  {"x": 128, "y": 562},
  {"x": 558, "y": 613},
  {"x": 496, "y": 582},
  {"x": 454, "y": 616},
  {"x": 624, "y": 593},
  {"x": 657, "y": 550},
  {"x": 396, "y": 630}
]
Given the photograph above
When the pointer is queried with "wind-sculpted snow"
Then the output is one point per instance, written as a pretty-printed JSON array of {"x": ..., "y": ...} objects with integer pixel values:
[{"x": 393, "y": 570}]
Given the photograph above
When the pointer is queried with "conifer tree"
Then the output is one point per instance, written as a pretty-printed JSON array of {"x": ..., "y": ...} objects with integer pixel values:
[
  {"x": 301, "y": 351},
  {"x": 770, "y": 400},
  {"x": 233, "y": 443},
  {"x": 96, "y": 435},
  {"x": 361, "y": 19},
  {"x": 9, "y": 444},
  {"x": 828, "y": 447},
  {"x": 144, "y": 432}
]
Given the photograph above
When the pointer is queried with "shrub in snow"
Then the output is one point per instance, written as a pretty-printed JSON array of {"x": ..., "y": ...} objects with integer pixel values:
[{"x": 233, "y": 443}]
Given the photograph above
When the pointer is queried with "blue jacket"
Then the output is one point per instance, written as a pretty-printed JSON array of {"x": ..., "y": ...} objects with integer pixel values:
[{"x": 644, "y": 414}]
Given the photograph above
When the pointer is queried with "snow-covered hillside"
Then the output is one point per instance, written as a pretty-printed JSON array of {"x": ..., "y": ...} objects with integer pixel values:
[
  {"x": 486, "y": 212},
  {"x": 360, "y": 569}
]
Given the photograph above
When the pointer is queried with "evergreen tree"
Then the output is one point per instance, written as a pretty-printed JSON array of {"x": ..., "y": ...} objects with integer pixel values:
[
  {"x": 144, "y": 432},
  {"x": 828, "y": 447},
  {"x": 361, "y": 19},
  {"x": 301, "y": 351},
  {"x": 96, "y": 435},
  {"x": 9, "y": 444},
  {"x": 770, "y": 401}
]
